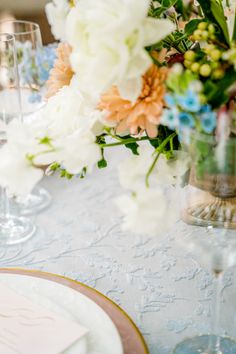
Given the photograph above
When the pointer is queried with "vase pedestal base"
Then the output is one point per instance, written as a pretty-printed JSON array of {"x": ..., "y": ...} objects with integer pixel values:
[
  {"x": 202, "y": 344},
  {"x": 217, "y": 212}
]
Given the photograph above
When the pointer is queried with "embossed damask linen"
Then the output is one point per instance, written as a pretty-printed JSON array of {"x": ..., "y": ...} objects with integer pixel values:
[{"x": 155, "y": 279}]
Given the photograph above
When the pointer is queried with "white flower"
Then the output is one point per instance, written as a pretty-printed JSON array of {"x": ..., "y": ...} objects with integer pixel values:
[
  {"x": 57, "y": 12},
  {"x": 17, "y": 173},
  {"x": 133, "y": 171},
  {"x": 108, "y": 38},
  {"x": 73, "y": 122},
  {"x": 229, "y": 10},
  {"x": 149, "y": 211},
  {"x": 69, "y": 111},
  {"x": 146, "y": 207},
  {"x": 26, "y": 135},
  {"x": 75, "y": 152}
]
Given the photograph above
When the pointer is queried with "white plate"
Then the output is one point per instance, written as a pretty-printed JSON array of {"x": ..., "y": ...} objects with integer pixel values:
[{"x": 103, "y": 337}]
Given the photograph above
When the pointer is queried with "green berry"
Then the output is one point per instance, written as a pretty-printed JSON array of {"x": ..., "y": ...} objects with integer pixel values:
[
  {"x": 205, "y": 35},
  {"x": 202, "y": 26},
  {"x": 209, "y": 48},
  {"x": 189, "y": 55},
  {"x": 215, "y": 54},
  {"x": 195, "y": 67},
  {"x": 187, "y": 63},
  {"x": 203, "y": 98},
  {"x": 211, "y": 29},
  {"x": 218, "y": 74},
  {"x": 205, "y": 70},
  {"x": 215, "y": 64},
  {"x": 197, "y": 35}
]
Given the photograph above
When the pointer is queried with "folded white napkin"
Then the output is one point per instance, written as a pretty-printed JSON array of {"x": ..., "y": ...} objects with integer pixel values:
[{"x": 27, "y": 328}]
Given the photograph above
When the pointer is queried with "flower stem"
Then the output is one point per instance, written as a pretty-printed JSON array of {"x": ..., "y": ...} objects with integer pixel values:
[
  {"x": 151, "y": 169},
  {"x": 126, "y": 141},
  {"x": 159, "y": 150}
]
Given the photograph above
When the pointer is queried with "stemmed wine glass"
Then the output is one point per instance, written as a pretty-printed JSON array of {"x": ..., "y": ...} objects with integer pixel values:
[
  {"x": 13, "y": 229},
  {"x": 216, "y": 250},
  {"x": 211, "y": 204},
  {"x": 32, "y": 75}
]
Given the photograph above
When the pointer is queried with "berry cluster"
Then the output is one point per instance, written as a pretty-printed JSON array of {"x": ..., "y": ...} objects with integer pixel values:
[
  {"x": 208, "y": 61},
  {"x": 204, "y": 32}
]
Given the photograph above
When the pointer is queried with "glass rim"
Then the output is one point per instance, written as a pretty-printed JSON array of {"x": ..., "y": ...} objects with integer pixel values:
[
  {"x": 8, "y": 37},
  {"x": 35, "y": 25}
]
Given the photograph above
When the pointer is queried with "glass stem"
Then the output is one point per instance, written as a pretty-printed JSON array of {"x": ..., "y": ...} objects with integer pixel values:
[
  {"x": 5, "y": 204},
  {"x": 214, "y": 342}
]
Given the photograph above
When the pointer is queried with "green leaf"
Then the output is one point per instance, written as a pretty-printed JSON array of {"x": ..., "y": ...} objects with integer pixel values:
[
  {"x": 45, "y": 141},
  {"x": 54, "y": 166},
  {"x": 102, "y": 163},
  {"x": 234, "y": 31},
  {"x": 214, "y": 12},
  {"x": 191, "y": 26},
  {"x": 216, "y": 92},
  {"x": 133, "y": 147},
  {"x": 165, "y": 5},
  {"x": 83, "y": 173}
]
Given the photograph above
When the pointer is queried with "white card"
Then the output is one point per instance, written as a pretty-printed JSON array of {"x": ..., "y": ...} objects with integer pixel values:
[{"x": 27, "y": 328}]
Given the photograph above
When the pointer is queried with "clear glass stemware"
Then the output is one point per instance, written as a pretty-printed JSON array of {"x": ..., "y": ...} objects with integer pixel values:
[
  {"x": 211, "y": 203},
  {"x": 13, "y": 229},
  {"x": 29, "y": 51}
]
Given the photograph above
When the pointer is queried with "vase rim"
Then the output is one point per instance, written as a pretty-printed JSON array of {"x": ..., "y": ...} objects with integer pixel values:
[{"x": 188, "y": 133}]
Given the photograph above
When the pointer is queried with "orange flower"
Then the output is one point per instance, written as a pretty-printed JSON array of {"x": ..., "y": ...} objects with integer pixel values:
[
  {"x": 62, "y": 73},
  {"x": 145, "y": 114}
]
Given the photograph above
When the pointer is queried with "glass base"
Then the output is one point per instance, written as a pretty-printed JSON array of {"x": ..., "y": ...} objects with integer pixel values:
[
  {"x": 216, "y": 212},
  {"x": 200, "y": 345},
  {"x": 37, "y": 201},
  {"x": 14, "y": 230}
]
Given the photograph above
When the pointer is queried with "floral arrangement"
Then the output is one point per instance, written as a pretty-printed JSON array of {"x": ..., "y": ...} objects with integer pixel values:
[{"x": 139, "y": 74}]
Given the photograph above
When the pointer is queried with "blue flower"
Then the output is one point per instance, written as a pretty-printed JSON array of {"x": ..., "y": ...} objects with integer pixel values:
[
  {"x": 189, "y": 102},
  {"x": 206, "y": 108},
  {"x": 186, "y": 120},
  {"x": 208, "y": 121},
  {"x": 170, "y": 118},
  {"x": 170, "y": 100},
  {"x": 44, "y": 61}
]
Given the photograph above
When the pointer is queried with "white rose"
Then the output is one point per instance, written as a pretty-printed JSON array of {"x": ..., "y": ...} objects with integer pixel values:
[
  {"x": 108, "y": 38},
  {"x": 57, "y": 12}
]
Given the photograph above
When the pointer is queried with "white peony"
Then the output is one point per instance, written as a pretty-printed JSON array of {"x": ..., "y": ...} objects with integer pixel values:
[
  {"x": 57, "y": 12},
  {"x": 108, "y": 38}
]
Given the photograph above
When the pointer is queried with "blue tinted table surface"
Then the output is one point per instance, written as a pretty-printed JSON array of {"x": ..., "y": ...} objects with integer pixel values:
[{"x": 164, "y": 289}]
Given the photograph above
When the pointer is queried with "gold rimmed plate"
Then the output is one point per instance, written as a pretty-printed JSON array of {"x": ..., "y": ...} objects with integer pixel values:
[{"x": 132, "y": 339}]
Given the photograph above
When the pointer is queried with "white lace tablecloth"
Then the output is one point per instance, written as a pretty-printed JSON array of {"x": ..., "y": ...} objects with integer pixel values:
[{"x": 162, "y": 288}]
